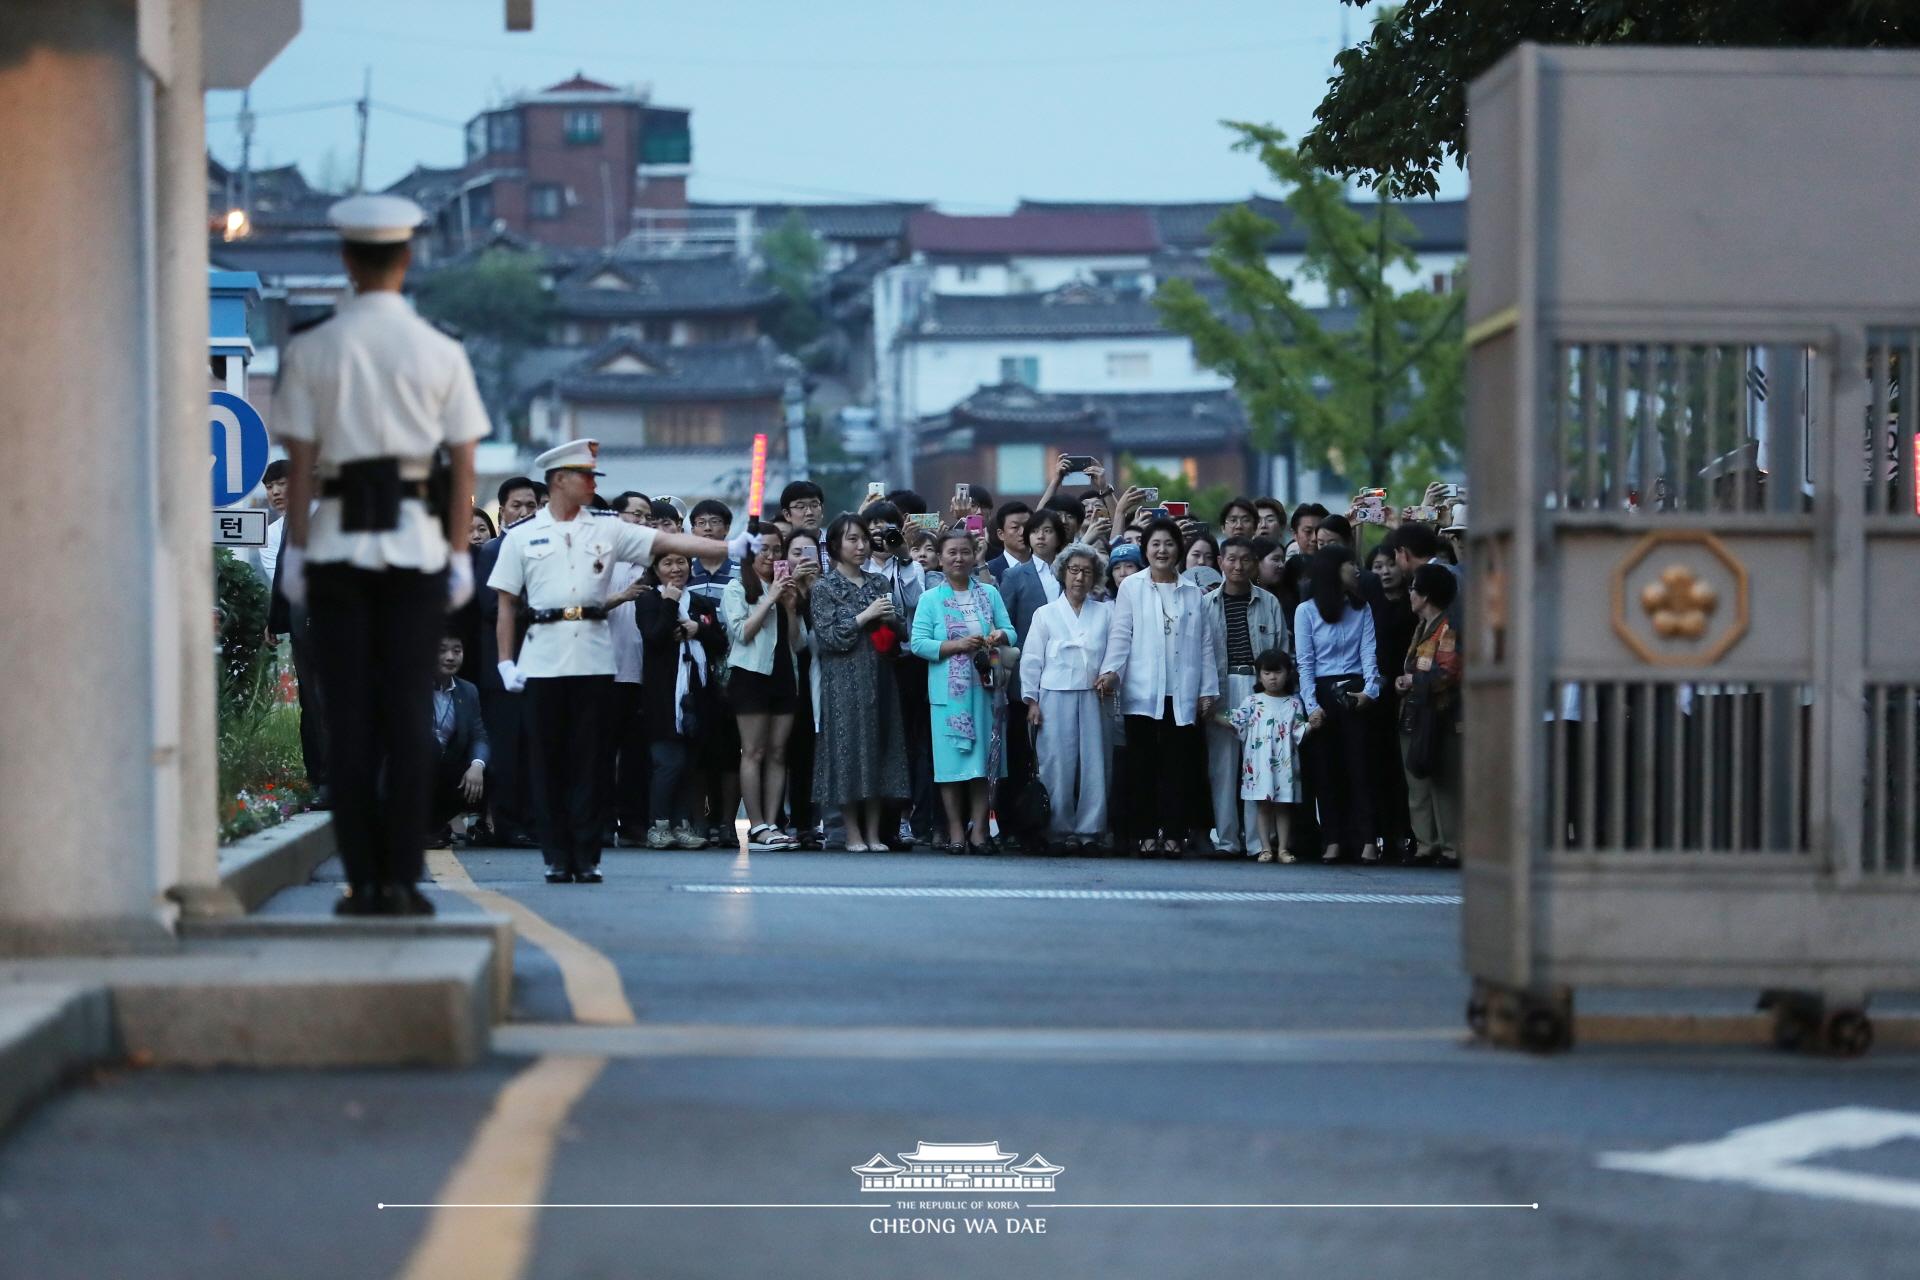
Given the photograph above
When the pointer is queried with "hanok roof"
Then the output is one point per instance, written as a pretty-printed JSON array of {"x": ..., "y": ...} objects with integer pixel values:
[
  {"x": 1072, "y": 311},
  {"x": 427, "y": 186},
  {"x": 275, "y": 259},
  {"x": 879, "y": 1164},
  {"x": 624, "y": 287},
  {"x": 625, "y": 370},
  {"x": 879, "y": 220},
  {"x": 958, "y": 1153},
  {"x": 1440, "y": 226},
  {"x": 1132, "y": 421},
  {"x": 1037, "y": 1163},
  {"x": 1033, "y": 232}
]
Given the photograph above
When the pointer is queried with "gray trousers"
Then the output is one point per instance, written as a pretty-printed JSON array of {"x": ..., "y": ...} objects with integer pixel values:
[
  {"x": 1072, "y": 753},
  {"x": 1233, "y": 828}
]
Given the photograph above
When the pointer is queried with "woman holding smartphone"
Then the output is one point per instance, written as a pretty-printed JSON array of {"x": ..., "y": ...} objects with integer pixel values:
[
  {"x": 760, "y": 610},
  {"x": 1339, "y": 682},
  {"x": 860, "y": 761}
]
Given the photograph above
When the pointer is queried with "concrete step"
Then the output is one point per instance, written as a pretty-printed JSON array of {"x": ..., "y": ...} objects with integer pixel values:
[
  {"x": 48, "y": 1030},
  {"x": 371, "y": 998},
  {"x": 305, "y": 912}
]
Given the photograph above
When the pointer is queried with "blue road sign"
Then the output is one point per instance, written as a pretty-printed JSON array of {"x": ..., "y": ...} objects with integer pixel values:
[{"x": 239, "y": 448}]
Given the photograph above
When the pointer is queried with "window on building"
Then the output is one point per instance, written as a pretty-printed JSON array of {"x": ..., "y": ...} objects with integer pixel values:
[
  {"x": 476, "y": 137},
  {"x": 1024, "y": 370},
  {"x": 968, "y": 273},
  {"x": 666, "y": 141},
  {"x": 581, "y": 128},
  {"x": 1129, "y": 365},
  {"x": 545, "y": 200},
  {"x": 1021, "y": 468},
  {"x": 1442, "y": 282},
  {"x": 503, "y": 131}
]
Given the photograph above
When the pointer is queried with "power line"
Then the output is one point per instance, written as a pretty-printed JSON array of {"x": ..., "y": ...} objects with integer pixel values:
[
  {"x": 411, "y": 114},
  {"x": 287, "y": 111}
]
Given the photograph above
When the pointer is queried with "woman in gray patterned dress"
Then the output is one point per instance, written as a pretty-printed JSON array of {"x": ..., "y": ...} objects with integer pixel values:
[{"x": 860, "y": 759}]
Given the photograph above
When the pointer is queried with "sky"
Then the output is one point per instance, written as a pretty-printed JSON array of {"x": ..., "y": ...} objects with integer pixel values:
[{"x": 973, "y": 106}]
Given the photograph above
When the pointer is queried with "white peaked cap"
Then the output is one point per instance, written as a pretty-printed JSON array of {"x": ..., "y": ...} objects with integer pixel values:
[{"x": 376, "y": 219}]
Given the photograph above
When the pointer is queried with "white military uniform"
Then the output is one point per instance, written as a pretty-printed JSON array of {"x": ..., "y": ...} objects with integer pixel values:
[
  {"x": 377, "y": 381},
  {"x": 562, "y": 565}
]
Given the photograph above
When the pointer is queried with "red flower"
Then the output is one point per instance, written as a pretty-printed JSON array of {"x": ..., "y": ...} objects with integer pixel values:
[{"x": 885, "y": 640}]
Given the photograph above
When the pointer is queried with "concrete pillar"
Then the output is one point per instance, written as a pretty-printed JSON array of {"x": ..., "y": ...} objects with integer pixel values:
[{"x": 95, "y": 672}]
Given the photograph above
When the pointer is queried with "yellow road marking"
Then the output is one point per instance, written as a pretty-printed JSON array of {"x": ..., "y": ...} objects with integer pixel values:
[
  {"x": 511, "y": 1154},
  {"x": 592, "y": 982},
  {"x": 507, "y": 1163}
]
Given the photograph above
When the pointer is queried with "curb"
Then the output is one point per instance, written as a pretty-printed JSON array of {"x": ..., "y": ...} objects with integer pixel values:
[
  {"x": 47, "y": 1032},
  {"x": 262, "y": 864}
]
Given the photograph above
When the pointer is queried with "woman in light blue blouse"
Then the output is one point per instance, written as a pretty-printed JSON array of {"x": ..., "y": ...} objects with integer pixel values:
[
  {"x": 957, "y": 628},
  {"x": 1339, "y": 683}
]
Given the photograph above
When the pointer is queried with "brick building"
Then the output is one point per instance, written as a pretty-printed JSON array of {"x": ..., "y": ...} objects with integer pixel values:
[{"x": 570, "y": 165}]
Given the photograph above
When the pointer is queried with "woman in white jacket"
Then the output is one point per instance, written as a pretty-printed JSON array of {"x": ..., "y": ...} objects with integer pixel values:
[
  {"x": 1059, "y": 664},
  {"x": 1160, "y": 659}
]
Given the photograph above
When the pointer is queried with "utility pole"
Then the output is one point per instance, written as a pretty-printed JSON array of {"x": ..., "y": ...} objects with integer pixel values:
[
  {"x": 246, "y": 154},
  {"x": 360, "y": 108}
]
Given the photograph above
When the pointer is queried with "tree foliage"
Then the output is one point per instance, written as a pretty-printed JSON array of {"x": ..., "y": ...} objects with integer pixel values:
[
  {"x": 793, "y": 261},
  {"x": 1396, "y": 106},
  {"x": 1205, "y": 503},
  {"x": 1373, "y": 383},
  {"x": 500, "y": 306}
]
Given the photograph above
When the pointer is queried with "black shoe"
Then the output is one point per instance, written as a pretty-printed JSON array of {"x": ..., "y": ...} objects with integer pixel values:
[
  {"x": 358, "y": 900},
  {"x": 441, "y": 839},
  {"x": 590, "y": 876},
  {"x": 898, "y": 845},
  {"x": 409, "y": 901},
  {"x": 557, "y": 876}
]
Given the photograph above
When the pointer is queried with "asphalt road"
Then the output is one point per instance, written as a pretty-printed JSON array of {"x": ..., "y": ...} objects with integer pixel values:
[{"x": 1165, "y": 1050}]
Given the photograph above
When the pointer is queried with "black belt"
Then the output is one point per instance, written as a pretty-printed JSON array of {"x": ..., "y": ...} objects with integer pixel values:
[
  {"x": 572, "y": 613},
  {"x": 408, "y": 489}
]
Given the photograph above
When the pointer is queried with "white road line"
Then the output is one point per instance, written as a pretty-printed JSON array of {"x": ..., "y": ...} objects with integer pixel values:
[
  {"x": 999, "y": 1044},
  {"x": 1771, "y": 1156},
  {"x": 1104, "y": 895}
]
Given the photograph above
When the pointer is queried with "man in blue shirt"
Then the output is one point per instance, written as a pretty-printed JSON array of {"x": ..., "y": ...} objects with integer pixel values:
[{"x": 711, "y": 518}]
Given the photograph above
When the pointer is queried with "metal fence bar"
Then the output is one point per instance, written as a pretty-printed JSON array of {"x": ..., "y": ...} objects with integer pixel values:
[
  {"x": 1905, "y": 461},
  {"x": 1682, "y": 468},
  {"x": 1906, "y": 763},
  {"x": 1588, "y": 769},
  {"x": 1562, "y": 423},
  {"x": 1743, "y": 434},
  {"x": 1589, "y": 436},
  {"x": 1707, "y": 713},
  {"x": 1557, "y": 763},
  {"x": 1617, "y": 432},
  {"x": 1796, "y": 755},
  {"x": 1873, "y": 845},
  {"x": 1617, "y": 764},
  {"x": 1646, "y": 800},
  {"x": 1649, "y": 472},
  {"x": 1677, "y": 770},
  {"x": 1878, "y": 355},
  {"x": 1736, "y": 775},
  {"x": 1710, "y": 422}
]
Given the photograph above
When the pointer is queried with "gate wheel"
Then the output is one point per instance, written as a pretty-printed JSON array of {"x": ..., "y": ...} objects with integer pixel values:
[
  {"x": 1544, "y": 1031},
  {"x": 1849, "y": 1033}
]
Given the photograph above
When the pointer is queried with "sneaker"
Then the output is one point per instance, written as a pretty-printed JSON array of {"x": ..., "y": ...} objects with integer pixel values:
[
  {"x": 685, "y": 837},
  {"x": 658, "y": 836}
]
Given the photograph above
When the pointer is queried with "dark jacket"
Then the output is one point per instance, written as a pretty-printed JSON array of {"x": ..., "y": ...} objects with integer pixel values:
[
  {"x": 658, "y": 619},
  {"x": 469, "y": 740},
  {"x": 486, "y": 614},
  {"x": 1023, "y": 595}
]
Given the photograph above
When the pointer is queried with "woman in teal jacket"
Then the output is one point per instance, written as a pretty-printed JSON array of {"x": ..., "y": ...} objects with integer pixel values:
[{"x": 957, "y": 627}]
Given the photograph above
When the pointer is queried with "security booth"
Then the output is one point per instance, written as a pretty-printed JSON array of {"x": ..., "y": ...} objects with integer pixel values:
[{"x": 1690, "y": 734}]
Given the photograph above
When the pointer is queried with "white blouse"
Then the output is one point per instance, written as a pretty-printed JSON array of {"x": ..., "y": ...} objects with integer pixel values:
[
  {"x": 1161, "y": 650},
  {"x": 1062, "y": 649}
]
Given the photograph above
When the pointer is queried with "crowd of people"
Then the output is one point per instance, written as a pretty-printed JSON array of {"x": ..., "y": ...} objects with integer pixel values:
[{"x": 1096, "y": 673}]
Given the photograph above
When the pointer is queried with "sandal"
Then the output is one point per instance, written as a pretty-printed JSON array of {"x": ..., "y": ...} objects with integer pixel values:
[
  {"x": 1265, "y": 855},
  {"x": 1285, "y": 855}
]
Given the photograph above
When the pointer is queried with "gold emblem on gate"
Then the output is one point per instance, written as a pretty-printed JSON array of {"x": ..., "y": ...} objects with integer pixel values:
[{"x": 1681, "y": 578}]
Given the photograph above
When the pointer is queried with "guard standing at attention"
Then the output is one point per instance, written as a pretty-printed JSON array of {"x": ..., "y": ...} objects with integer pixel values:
[
  {"x": 366, "y": 400},
  {"x": 562, "y": 559}
]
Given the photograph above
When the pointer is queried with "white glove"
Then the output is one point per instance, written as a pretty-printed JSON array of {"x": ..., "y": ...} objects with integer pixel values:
[
  {"x": 511, "y": 676},
  {"x": 459, "y": 579},
  {"x": 293, "y": 575}
]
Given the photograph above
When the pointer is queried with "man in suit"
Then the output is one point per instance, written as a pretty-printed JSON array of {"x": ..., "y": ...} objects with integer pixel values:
[
  {"x": 1010, "y": 530},
  {"x": 1026, "y": 587},
  {"x": 510, "y": 793},
  {"x": 460, "y": 735}
]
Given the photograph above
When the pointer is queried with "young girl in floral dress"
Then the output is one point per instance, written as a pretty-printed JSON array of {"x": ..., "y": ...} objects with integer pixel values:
[{"x": 1271, "y": 723}]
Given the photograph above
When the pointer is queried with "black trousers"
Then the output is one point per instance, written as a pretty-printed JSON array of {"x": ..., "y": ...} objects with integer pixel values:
[
  {"x": 313, "y": 705},
  {"x": 916, "y": 719},
  {"x": 510, "y": 792},
  {"x": 568, "y": 718},
  {"x": 448, "y": 799},
  {"x": 1343, "y": 787},
  {"x": 376, "y": 635},
  {"x": 630, "y": 762},
  {"x": 1166, "y": 775},
  {"x": 1006, "y": 792}
]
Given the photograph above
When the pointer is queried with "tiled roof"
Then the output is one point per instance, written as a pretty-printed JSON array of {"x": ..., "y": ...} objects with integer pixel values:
[
  {"x": 1133, "y": 420},
  {"x": 275, "y": 258},
  {"x": 662, "y": 286},
  {"x": 578, "y": 83},
  {"x": 1439, "y": 225},
  {"x": 881, "y": 220},
  {"x": 1074, "y": 311},
  {"x": 429, "y": 187},
  {"x": 644, "y": 372},
  {"x": 1034, "y": 232}
]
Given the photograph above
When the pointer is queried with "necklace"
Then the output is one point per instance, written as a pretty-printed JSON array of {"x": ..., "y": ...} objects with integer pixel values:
[{"x": 1166, "y": 619}]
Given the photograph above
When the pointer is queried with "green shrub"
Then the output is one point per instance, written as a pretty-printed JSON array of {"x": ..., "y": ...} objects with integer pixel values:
[
  {"x": 262, "y": 775},
  {"x": 242, "y": 600}
]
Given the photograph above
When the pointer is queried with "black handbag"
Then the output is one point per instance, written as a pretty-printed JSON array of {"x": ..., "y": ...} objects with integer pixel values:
[
  {"x": 1421, "y": 723},
  {"x": 1032, "y": 815}
]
